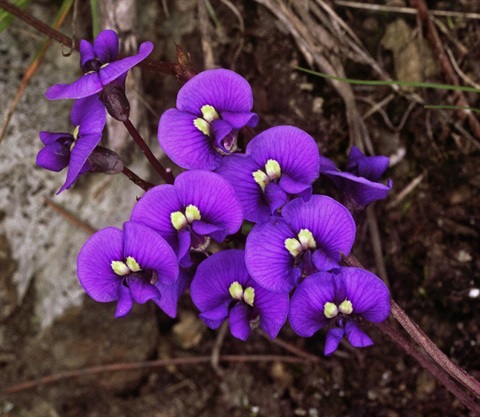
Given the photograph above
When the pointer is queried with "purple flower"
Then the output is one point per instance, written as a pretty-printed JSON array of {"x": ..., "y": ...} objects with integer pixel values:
[
  {"x": 337, "y": 300},
  {"x": 211, "y": 108},
  {"x": 200, "y": 205},
  {"x": 130, "y": 265},
  {"x": 278, "y": 163},
  {"x": 360, "y": 182},
  {"x": 100, "y": 67},
  {"x": 311, "y": 237},
  {"x": 72, "y": 150},
  {"x": 222, "y": 288}
]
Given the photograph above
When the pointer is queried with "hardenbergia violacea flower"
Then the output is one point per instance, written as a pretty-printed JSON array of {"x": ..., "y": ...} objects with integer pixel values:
[
  {"x": 222, "y": 288},
  {"x": 279, "y": 163},
  {"x": 337, "y": 300},
  {"x": 311, "y": 236},
  {"x": 200, "y": 205},
  {"x": 73, "y": 149},
  {"x": 135, "y": 264},
  {"x": 100, "y": 67},
  {"x": 360, "y": 182},
  {"x": 211, "y": 108}
]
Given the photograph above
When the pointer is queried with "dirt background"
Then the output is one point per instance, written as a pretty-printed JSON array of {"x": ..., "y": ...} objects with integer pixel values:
[{"x": 424, "y": 240}]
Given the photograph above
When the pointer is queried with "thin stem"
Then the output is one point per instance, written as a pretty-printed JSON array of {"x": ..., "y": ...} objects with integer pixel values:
[
  {"x": 396, "y": 337},
  {"x": 124, "y": 367},
  {"x": 166, "y": 175},
  {"x": 145, "y": 185},
  {"x": 425, "y": 342}
]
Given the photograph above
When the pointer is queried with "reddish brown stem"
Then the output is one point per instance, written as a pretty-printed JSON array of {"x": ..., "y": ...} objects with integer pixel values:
[
  {"x": 166, "y": 175},
  {"x": 145, "y": 185},
  {"x": 425, "y": 342}
]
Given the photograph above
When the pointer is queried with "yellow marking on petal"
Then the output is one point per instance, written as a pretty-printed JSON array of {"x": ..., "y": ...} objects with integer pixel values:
[
  {"x": 261, "y": 179},
  {"x": 202, "y": 125},
  {"x": 75, "y": 132},
  {"x": 120, "y": 268},
  {"x": 346, "y": 307},
  {"x": 192, "y": 213},
  {"x": 89, "y": 72},
  {"x": 273, "y": 170},
  {"x": 104, "y": 65},
  {"x": 133, "y": 264},
  {"x": 178, "y": 219},
  {"x": 306, "y": 239},
  {"x": 293, "y": 246},
  {"x": 249, "y": 295},
  {"x": 330, "y": 310},
  {"x": 236, "y": 290},
  {"x": 209, "y": 113}
]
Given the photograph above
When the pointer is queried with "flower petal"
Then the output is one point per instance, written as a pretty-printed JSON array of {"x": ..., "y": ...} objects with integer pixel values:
[
  {"x": 89, "y": 114},
  {"x": 115, "y": 69},
  {"x": 79, "y": 154},
  {"x": 275, "y": 197},
  {"x": 125, "y": 301},
  {"x": 334, "y": 336},
  {"x": 86, "y": 52},
  {"x": 141, "y": 290},
  {"x": 356, "y": 336},
  {"x": 369, "y": 167},
  {"x": 184, "y": 144},
  {"x": 308, "y": 302},
  {"x": 268, "y": 261},
  {"x": 238, "y": 170},
  {"x": 171, "y": 293},
  {"x": 151, "y": 251},
  {"x": 238, "y": 321},
  {"x": 94, "y": 268},
  {"x": 239, "y": 120},
  {"x": 85, "y": 86},
  {"x": 272, "y": 308},
  {"x": 223, "y": 89},
  {"x": 53, "y": 157},
  {"x": 369, "y": 295},
  {"x": 105, "y": 46}
]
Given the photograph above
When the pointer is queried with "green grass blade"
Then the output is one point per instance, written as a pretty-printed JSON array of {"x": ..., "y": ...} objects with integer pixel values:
[
  {"x": 393, "y": 82},
  {"x": 442, "y": 107},
  {"x": 95, "y": 17}
]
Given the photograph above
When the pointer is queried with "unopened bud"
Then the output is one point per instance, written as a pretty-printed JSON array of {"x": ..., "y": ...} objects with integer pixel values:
[
  {"x": 106, "y": 161},
  {"x": 116, "y": 102}
]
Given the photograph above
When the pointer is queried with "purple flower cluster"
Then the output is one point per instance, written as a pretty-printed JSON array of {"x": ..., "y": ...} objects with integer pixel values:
[{"x": 194, "y": 232}]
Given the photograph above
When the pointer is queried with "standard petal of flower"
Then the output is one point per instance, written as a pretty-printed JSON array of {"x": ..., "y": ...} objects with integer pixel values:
[
  {"x": 53, "y": 157},
  {"x": 295, "y": 151},
  {"x": 171, "y": 293},
  {"x": 105, "y": 46},
  {"x": 334, "y": 336},
  {"x": 369, "y": 295},
  {"x": 85, "y": 86},
  {"x": 79, "y": 154},
  {"x": 151, "y": 251},
  {"x": 238, "y": 170},
  {"x": 308, "y": 302},
  {"x": 154, "y": 209},
  {"x": 213, "y": 195},
  {"x": 184, "y": 144},
  {"x": 238, "y": 321},
  {"x": 89, "y": 113},
  {"x": 223, "y": 89},
  {"x": 331, "y": 224},
  {"x": 115, "y": 69},
  {"x": 268, "y": 261},
  {"x": 125, "y": 301},
  {"x": 356, "y": 336},
  {"x": 94, "y": 268},
  {"x": 273, "y": 310}
]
